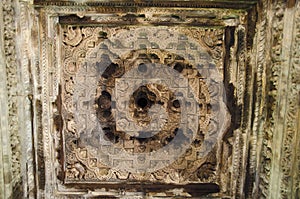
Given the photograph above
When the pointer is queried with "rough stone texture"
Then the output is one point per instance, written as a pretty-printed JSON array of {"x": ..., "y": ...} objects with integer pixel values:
[
  {"x": 5, "y": 151},
  {"x": 50, "y": 74}
]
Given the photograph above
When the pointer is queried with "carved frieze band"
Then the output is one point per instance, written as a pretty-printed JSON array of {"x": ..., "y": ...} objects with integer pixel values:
[
  {"x": 170, "y": 4},
  {"x": 9, "y": 46},
  {"x": 271, "y": 101},
  {"x": 265, "y": 137},
  {"x": 257, "y": 134},
  {"x": 278, "y": 154},
  {"x": 290, "y": 155}
]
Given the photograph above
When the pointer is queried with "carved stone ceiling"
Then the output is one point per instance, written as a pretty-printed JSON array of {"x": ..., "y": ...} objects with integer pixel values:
[
  {"x": 140, "y": 99},
  {"x": 142, "y": 104}
]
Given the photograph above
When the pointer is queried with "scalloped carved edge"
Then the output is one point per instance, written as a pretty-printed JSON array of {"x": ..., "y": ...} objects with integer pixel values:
[{"x": 170, "y": 3}]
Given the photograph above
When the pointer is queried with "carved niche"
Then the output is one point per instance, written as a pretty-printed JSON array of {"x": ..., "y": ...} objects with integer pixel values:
[{"x": 147, "y": 100}]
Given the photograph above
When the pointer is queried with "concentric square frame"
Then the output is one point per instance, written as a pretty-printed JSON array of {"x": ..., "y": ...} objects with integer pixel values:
[{"x": 236, "y": 21}]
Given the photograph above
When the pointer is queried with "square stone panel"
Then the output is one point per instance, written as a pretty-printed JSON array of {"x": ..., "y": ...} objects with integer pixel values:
[
  {"x": 141, "y": 98},
  {"x": 142, "y": 104}
]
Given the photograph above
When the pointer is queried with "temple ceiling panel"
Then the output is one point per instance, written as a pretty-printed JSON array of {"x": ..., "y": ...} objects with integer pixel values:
[
  {"x": 140, "y": 97},
  {"x": 150, "y": 99}
]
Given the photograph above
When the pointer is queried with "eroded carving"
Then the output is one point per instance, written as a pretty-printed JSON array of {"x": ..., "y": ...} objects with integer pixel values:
[
  {"x": 9, "y": 46},
  {"x": 83, "y": 163},
  {"x": 84, "y": 48}
]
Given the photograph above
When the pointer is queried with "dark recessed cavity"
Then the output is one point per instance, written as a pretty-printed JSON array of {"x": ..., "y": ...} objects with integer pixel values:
[
  {"x": 142, "y": 102},
  {"x": 142, "y": 68},
  {"x": 179, "y": 67},
  {"x": 176, "y": 103}
]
